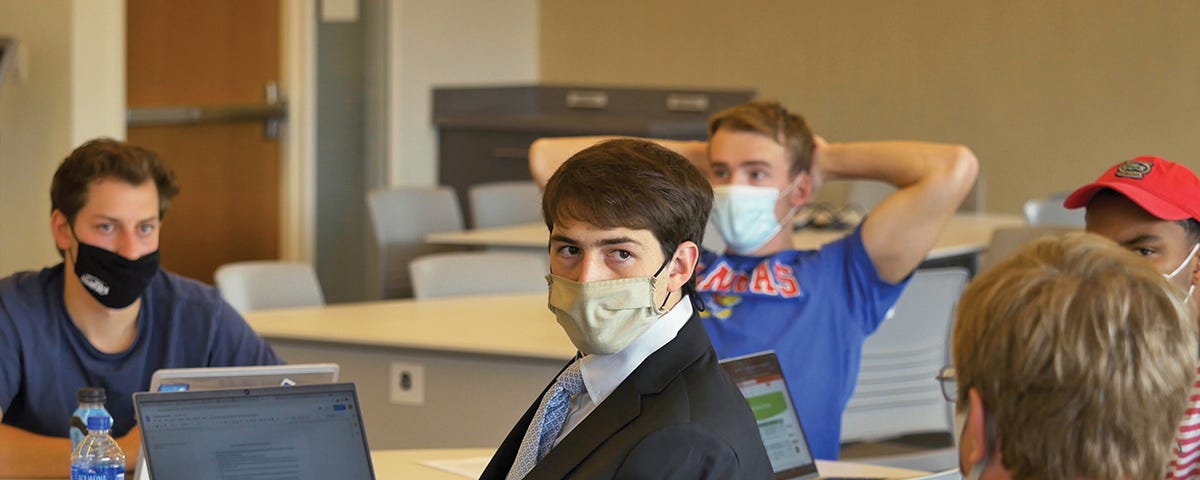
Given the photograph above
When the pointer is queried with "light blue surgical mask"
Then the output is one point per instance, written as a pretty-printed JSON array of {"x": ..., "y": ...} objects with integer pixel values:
[
  {"x": 745, "y": 215},
  {"x": 1186, "y": 261}
]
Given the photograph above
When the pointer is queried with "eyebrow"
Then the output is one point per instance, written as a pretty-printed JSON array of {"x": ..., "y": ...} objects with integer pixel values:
[
  {"x": 599, "y": 243},
  {"x": 1141, "y": 239},
  {"x": 117, "y": 220},
  {"x": 751, "y": 163}
]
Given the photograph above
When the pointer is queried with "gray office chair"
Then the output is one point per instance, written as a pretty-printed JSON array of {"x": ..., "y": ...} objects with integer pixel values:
[
  {"x": 496, "y": 204},
  {"x": 866, "y": 194},
  {"x": 478, "y": 273},
  {"x": 1050, "y": 211},
  {"x": 896, "y": 393},
  {"x": 1007, "y": 240},
  {"x": 260, "y": 285},
  {"x": 398, "y": 220}
]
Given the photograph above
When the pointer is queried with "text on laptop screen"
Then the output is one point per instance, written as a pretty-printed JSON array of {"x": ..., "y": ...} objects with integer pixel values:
[{"x": 289, "y": 434}]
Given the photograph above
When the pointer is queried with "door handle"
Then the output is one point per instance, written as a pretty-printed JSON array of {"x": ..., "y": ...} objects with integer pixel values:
[{"x": 275, "y": 110}]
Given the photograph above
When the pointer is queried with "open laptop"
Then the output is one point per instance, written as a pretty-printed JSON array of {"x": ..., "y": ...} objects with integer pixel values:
[
  {"x": 209, "y": 378},
  {"x": 760, "y": 378},
  {"x": 303, "y": 432}
]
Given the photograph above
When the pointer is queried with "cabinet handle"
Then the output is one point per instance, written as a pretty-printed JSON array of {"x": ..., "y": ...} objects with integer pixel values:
[{"x": 510, "y": 153}]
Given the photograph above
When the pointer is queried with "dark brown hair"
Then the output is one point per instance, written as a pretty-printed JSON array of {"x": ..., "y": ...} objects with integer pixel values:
[
  {"x": 772, "y": 119},
  {"x": 104, "y": 158},
  {"x": 634, "y": 184}
]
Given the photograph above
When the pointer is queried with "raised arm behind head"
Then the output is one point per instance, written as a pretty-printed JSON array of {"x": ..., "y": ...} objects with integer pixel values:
[{"x": 547, "y": 154}]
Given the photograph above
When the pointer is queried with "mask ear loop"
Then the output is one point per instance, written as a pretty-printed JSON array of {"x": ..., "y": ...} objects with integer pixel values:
[{"x": 657, "y": 273}]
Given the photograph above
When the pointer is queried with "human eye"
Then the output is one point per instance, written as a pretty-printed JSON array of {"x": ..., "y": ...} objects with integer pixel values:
[
  {"x": 758, "y": 175},
  {"x": 147, "y": 228},
  {"x": 567, "y": 251},
  {"x": 1144, "y": 251},
  {"x": 720, "y": 172},
  {"x": 105, "y": 227}
]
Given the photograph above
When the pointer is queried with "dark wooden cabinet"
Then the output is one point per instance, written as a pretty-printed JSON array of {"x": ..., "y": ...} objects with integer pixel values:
[{"x": 484, "y": 133}]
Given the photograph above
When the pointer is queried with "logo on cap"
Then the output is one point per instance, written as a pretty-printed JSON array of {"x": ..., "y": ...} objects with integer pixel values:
[{"x": 1134, "y": 169}]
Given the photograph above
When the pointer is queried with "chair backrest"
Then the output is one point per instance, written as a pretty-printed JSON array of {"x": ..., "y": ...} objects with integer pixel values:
[
  {"x": 399, "y": 219},
  {"x": 478, "y": 273},
  {"x": 495, "y": 204},
  {"x": 1050, "y": 211},
  {"x": 259, "y": 285},
  {"x": 896, "y": 392},
  {"x": 1007, "y": 240},
  {"x": 866, "y": 194}
]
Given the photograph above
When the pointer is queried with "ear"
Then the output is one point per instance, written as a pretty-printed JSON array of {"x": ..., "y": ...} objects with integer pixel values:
[
  {"x": 683, "y": 265},
  {"x": 974, "y": 445},
  {"x": 60, "y": 228},
  {"x": 805, "y": 188}
]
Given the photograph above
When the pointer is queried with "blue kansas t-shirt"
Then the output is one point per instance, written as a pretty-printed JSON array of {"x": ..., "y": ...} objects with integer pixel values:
[
  {"x": 45, "y": 359},
  {"x": 814, "y": 308}
]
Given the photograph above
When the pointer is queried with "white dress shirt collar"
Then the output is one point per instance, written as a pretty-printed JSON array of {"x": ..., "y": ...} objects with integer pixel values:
[{"x": 603, "y": 373}]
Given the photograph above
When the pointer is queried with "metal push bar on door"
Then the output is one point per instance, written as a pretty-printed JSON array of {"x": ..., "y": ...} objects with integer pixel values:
[{"x": 273, "y": 112}]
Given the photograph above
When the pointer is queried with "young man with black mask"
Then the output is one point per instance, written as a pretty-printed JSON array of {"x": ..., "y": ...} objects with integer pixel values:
[{"x": 108, "y": 315}]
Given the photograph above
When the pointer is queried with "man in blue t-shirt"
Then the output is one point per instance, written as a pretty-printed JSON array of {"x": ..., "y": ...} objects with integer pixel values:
[
  {"x": 108, "y": 315},
  {"x": 814, "y": 308}
]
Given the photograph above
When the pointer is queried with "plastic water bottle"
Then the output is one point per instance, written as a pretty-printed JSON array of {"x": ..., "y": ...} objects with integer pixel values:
[
  {"x": 98, "y": 457},
  {"x": 91, "y": 402}
]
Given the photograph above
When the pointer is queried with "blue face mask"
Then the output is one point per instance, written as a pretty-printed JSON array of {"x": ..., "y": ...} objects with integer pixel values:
[{"x": 745, "y": 215}]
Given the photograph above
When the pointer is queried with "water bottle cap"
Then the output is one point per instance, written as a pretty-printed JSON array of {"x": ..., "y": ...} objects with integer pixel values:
[
  {"x": 99, "y": 422},
  {"x": 92, "y": 395}
]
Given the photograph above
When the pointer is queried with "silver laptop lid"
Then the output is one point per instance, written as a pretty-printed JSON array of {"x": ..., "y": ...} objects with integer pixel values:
[
  {"x": 305, "y": 431},
  {"x": 208, "y": 378}
]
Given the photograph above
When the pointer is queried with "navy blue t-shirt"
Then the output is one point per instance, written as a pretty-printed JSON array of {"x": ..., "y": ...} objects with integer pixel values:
[
  {"x": 814, "y": 308},
  {"x": 45, "y": 359}
]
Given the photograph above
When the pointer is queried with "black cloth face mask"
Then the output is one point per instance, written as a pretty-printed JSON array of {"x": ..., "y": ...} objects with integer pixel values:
[{"x": 114, "y": 281}]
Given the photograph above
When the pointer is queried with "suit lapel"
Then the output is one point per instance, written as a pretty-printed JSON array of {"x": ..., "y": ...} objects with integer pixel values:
[{"x": 625, "y": 403}]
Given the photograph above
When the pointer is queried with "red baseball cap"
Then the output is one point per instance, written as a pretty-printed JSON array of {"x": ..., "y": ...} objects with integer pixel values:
[{"x": 1164, "y": 188}]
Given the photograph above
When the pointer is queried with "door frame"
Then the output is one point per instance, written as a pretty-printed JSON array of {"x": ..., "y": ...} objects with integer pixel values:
[{"x": 297, "y": 197}]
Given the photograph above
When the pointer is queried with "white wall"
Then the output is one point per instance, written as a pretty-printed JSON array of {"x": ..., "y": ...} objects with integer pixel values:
[
  {"x": 73, "y": 88},
  {"x": 445, "y": 43}
]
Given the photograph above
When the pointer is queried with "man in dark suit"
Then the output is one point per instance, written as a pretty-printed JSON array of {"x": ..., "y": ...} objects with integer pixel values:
[{"x": 645, "y": 398}]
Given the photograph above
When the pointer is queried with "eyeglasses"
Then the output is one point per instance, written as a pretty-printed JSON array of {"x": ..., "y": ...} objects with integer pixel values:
[{"x": 949, "y": 383}]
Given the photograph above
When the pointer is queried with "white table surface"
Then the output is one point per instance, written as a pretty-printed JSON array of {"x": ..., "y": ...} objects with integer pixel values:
[
  {"x": 406, "y": 464},
  {"x": 964, "y": 234}
]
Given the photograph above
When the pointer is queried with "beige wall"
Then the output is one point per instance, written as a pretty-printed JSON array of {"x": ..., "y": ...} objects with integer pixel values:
[
  {"x": 1048, "y": 94},
  {"x": 72, "y": 88},
  {"x": 448, "y": 43}
]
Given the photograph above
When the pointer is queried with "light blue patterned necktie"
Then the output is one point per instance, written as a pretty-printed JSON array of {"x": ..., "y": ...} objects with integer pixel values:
[{"x": 547, "y": 421}]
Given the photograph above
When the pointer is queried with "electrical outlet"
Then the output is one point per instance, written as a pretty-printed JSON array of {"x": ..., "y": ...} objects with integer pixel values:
[{"x": 407, "y": 382}]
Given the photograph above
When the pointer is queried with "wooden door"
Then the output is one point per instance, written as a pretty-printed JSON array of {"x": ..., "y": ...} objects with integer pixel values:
[{"x": 209, "y": 53}]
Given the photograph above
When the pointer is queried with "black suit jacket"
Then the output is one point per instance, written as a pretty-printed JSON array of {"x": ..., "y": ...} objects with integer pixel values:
[{"x": 676, "y": 416}]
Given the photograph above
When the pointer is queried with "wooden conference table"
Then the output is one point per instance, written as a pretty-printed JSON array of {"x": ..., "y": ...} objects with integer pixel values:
[
  {"x": 965, "y": 235},
  {"x": 411, "y": 464}
]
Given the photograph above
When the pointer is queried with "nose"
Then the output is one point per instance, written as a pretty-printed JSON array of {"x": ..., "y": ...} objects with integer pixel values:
[
  {"x": 591, "y": 269},
  {"x": 128, "y": 246}
]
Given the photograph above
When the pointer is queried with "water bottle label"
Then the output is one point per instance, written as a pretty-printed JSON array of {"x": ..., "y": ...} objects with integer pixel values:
[{"x": 100, "y": 472}]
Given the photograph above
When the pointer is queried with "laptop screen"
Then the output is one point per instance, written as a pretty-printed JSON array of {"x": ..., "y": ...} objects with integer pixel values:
[
  {"x": 760, "y": 379},
  {"x": 304, "y": 432}
]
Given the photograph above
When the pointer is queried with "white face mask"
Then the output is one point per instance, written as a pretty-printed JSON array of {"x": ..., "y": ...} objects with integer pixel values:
[
  {"x": 745, "y": 215},
  {"x": 1186, "y": 261},
  {"x": 604, "y": 317}
]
